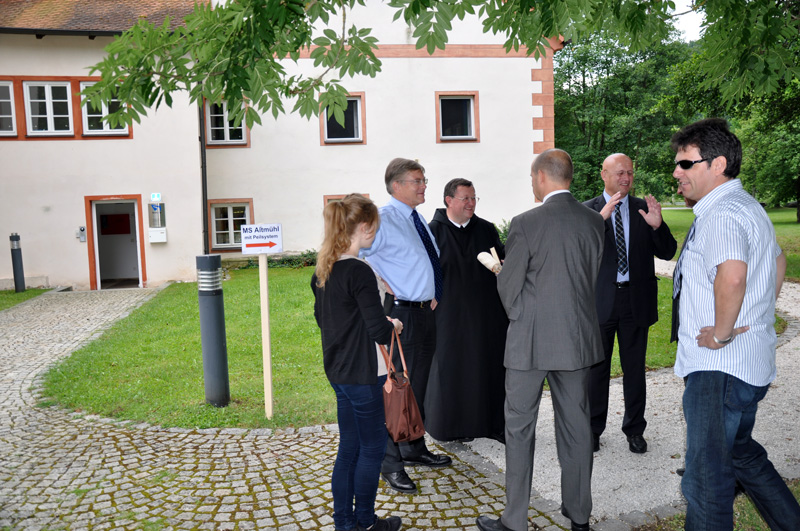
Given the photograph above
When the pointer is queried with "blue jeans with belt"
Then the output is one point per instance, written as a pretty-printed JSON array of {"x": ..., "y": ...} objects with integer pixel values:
[
  {"x": 362, "y": 444},
  {"x": 720, "y": 412}
]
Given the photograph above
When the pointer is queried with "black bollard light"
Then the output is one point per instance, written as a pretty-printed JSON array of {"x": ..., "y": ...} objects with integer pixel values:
[
  {"x": 16, "y": 263},
  {"x": 212, "y": 330}
]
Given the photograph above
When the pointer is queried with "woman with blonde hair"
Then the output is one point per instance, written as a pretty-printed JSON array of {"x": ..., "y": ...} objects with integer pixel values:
[{"x": 350, "y": 316}]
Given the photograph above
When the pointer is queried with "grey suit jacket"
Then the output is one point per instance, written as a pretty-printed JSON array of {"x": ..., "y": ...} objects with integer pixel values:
[{"x": 547, "y": 286}]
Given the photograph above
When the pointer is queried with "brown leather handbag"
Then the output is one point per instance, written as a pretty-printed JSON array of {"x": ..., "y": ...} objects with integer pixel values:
[{"x": 403, "y": 419}]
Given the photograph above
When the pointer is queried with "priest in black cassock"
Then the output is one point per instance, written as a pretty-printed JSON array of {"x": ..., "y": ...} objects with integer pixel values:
[{"x": 466, "y": 389}]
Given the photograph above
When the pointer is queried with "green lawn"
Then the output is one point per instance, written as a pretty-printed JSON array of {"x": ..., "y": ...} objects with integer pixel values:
[
  {"x": 9, "y": 298},
  {"x": 148, "y": 367},
  {"x": 787, "y": 230}
]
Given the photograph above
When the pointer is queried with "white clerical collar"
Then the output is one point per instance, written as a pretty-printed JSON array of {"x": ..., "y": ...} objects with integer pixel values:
[{"x": 460, "y": 225}]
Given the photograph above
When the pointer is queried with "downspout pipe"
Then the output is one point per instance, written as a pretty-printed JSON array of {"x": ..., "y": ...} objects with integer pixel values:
[{"x": 203, "y": 174}]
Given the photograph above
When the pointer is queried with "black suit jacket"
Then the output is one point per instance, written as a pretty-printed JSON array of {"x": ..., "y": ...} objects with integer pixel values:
[{"x": 645, "y": 243}]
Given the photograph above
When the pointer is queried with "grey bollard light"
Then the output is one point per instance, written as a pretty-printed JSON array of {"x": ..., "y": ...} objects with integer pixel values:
[
  {"x": 16, "y": 263},
  {"x": 212, "y": 330}
]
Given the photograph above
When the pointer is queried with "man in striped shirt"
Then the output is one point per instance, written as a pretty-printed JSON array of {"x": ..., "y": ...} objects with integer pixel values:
[{"x": 730, "y": 273}]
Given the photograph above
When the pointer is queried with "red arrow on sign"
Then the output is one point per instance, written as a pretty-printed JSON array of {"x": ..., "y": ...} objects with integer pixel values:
[{"x": 268, "y": 244}]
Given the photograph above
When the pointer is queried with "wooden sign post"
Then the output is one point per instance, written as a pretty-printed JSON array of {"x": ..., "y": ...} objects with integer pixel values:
[{"x": 262, "y": 240}]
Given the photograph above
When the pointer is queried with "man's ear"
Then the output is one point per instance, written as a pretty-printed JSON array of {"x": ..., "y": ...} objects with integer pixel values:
[
  {"x": 448, "y": 200},
  {"x": 541, "y": 177},
  {"x": 719, "y": 164}
]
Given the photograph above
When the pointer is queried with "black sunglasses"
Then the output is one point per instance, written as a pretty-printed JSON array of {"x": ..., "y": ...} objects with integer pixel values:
[{"x": 686, "y": 164}]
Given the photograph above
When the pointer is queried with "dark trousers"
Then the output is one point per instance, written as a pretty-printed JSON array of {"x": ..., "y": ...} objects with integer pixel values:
[
  {"x": 632, "y": 350},
  {"x": 419, "y": 344}
]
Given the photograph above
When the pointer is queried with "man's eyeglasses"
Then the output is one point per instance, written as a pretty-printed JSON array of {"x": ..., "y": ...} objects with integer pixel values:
[
  {"x": 623, "y": 173},
  {"x": 417, "y": 182},
  {"x": 686, "y": 164},
  {"x": 465, "y": 199}
]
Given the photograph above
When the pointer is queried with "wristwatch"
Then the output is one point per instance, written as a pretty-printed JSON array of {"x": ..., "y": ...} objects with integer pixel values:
[{"x": 723, "y": 341}]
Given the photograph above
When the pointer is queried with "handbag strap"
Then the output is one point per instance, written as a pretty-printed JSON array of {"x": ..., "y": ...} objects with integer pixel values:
[{"x": 387, "y": 356}]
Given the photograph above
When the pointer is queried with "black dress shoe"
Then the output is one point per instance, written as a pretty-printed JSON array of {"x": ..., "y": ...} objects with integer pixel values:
[
  {"x": 595, "y": 442},
  {"x": 637, "y": 444},
  {"x": 575, "y": 526},
  {"x": 489, "y": 524},
  {"x": 428, "y": 459},
  {"x": 400, "y": 482},
  {"x": 499, "y": 437},
  {"x": 393, "y": 523}
]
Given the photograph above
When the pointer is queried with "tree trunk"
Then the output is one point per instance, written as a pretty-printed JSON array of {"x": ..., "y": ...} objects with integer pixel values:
[{"x": 797, "y": 196}]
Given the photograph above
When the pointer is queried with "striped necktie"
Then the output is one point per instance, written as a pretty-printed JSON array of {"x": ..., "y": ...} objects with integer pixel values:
[
  {"x": 676, "y": 275},
  {"x": 676, "y": 287},
  {"x": 619, "y": 230}
]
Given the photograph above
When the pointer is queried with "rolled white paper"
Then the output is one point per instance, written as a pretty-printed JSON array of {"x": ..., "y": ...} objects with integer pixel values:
[{"x": 490, "y": 262}]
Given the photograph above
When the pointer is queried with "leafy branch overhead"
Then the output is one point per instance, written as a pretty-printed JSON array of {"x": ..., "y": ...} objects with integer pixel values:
[{"x": 243, "y": 51}]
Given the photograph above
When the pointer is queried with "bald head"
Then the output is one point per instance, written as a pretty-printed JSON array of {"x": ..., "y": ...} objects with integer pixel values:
[
  {"x": 617, "y": 174},
  {"x": 556, "y": 164},
  {"x": 551, "y": 171}
]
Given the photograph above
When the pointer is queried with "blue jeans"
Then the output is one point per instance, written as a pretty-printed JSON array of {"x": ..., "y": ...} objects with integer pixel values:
[
  {"x": 362, "y": 444},
  {"x": 720, "y": 412}
]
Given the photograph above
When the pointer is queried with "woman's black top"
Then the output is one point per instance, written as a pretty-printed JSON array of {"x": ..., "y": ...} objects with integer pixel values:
[{"x": 350, "y": 316}]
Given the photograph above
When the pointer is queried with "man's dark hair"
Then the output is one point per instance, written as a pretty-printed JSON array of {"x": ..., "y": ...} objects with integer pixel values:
[
  {"x": 556, "y": 164},
  {"x": 398, "y": 168},
  {"x": 451, "y": 188},
  {"x": 713, "y": 139}
]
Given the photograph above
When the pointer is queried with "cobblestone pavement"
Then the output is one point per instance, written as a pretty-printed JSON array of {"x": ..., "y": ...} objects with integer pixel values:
[
  {"x": 61, "y": 470},
  {"x": 67, "y": 471}
]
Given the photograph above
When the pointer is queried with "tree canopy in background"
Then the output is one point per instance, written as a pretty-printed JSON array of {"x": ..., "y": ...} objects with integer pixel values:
[
  {"x": 625, "y": 83},
  {"x": 236, "y": 52},
  {"x": 607, "y": 101}
]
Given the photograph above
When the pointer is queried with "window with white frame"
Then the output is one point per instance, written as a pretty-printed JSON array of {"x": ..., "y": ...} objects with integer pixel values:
[
  {"x": 220, "y": 128},
  {"x": 457, "y": 116},
  {"x": 48, "y": 106},
  {"x": 8, "y": 123},
  {"x": 227, "y": 221},
  {"x": 352, "y": 130},
  {"x": 93, "y": 123}
]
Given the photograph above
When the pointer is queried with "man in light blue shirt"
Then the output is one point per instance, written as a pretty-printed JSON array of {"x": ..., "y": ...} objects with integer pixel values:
[
  {"x": 729, "y": 275},
  {"x": 405, "y": 255}
]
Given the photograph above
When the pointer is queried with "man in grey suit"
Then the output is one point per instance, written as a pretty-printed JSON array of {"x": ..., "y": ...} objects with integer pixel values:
[{"x": 547, "y": 286}]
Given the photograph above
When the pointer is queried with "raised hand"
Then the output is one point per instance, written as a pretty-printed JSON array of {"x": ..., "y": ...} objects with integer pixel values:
[
  {"x": 610, "y": 206},
  {"x": 653, "y": 215}
]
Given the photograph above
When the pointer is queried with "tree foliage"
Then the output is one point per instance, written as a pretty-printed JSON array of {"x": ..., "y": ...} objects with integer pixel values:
[
  {"x": 238, "y": 52},
  {"x": 770, "y": 133},
  {"x": 768, "y": 126},
  {"x": 607, "y": 100}
]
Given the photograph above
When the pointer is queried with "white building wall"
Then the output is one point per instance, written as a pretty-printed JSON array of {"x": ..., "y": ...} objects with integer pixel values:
[
  {"x": 44, "y": 182},
  {"x": 287, "y": 172}
]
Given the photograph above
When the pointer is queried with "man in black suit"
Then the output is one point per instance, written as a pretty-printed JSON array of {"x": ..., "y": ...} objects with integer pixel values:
[{"x": 627, "y": 294}]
